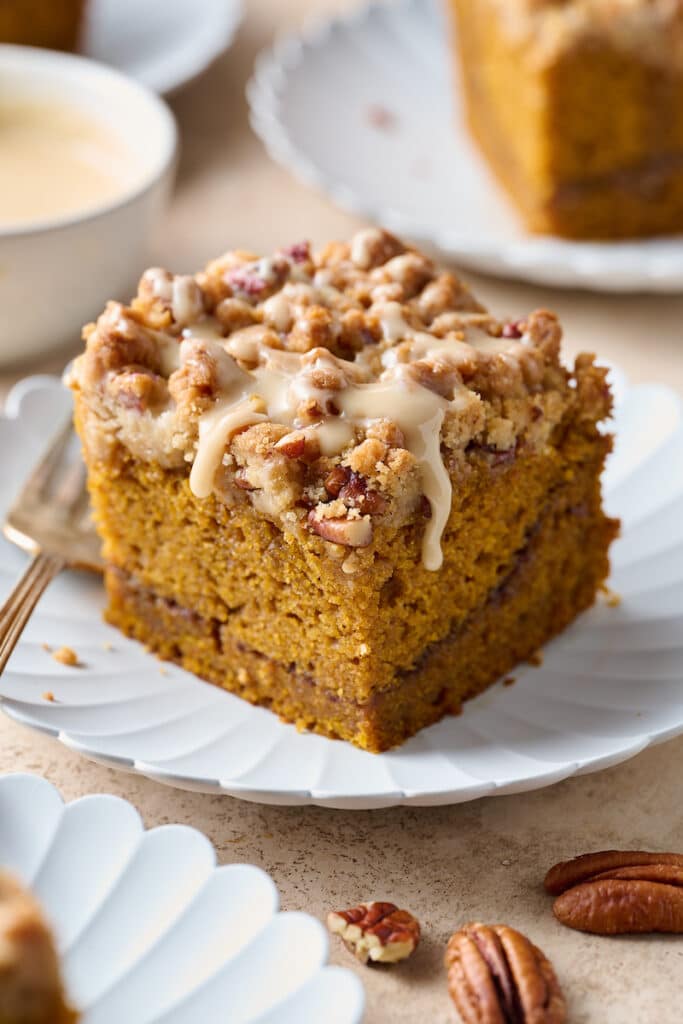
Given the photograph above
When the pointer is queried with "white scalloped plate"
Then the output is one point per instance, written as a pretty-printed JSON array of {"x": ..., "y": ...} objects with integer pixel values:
[
  {"x": 162, "y": 43},
  {"x": 150, "y": 931},
  {"x": 412, "y": 166},
  {"x": 609, "y": 686}
]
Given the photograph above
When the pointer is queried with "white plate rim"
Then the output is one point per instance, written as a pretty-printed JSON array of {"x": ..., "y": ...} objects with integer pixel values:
[
  {"x": 227, "y": 18},
  {"x": 336, "y": 797},
  {"x": 99, "y": 806}
]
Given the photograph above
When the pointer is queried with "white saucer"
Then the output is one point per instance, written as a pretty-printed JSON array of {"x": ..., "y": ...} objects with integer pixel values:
[
  {"x": 361, "y": 107},
  {"x": 609, "y": 686},
  {"x": 151, "y": 931},
  {"x": 162, "y": 43}
]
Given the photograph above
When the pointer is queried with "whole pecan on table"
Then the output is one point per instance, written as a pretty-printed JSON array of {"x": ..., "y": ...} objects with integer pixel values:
[
  {"x": 376, "y": 931},
  {"x": 497, "y": 976},
  {"x": 618, "y": 892}
]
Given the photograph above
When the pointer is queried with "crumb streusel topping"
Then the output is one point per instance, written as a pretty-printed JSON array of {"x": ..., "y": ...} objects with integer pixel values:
[{"x": 332, "y": 391}]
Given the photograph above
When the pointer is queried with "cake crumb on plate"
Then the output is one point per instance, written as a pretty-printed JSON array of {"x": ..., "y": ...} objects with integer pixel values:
[{"x": 66, "y": 656}]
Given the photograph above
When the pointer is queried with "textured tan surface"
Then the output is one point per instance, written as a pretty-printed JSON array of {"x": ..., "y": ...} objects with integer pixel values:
[{"x": 484, "y": 860}]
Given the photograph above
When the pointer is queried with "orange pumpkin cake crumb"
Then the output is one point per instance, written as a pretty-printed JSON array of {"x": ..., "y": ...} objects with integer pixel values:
[{"x": 66, "y": 656}]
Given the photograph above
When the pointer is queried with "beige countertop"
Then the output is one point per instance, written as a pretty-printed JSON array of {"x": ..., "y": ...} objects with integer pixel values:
[{"x": 483, "y": 860}]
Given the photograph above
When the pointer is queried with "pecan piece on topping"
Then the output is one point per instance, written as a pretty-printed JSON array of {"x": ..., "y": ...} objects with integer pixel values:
[
  {"x": 544, "y": 332},
  {"x": 335, "y": 480},
  {"x": 438, "y": 376},
  {"x": 242, "y": 480},
  {"x": 411, "y": 270},
  {"x": 247, "y": 281},
  {"x": 356, "y": 494},
  {"x": 376, "y": 931},
  {"x": 299, "y": 252},
  {"x": 373, "y": 247},
  {"x": 497, "y": 976},
  {"x": 309, "y": 411},
  {"x": 299, "y": 445},
  {"x": 617, "y": 892},
  {"x": 351, "y": 533},
  {"x": 445, "y": 294},
  {"x": 352, "y": 488},
  {"x": 138, "y": 388},
  {"x": 513, "y": 329}
]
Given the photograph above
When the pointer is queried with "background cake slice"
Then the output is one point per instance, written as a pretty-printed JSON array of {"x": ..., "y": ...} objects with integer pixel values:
[
  {"x": 31, "y": 989},
  {"x": 336, "y": 486},
  {"x": 57, "y": 26},
  {"x": 578, "y": 107}
]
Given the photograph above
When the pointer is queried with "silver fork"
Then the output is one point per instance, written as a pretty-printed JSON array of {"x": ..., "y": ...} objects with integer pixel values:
[{"x": 50, "y": 519}]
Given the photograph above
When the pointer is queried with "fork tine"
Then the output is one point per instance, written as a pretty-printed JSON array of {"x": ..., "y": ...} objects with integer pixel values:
[
  {"x": 70, "y": 488},
  {"x": 46, "y": 468},
  {"x": 51, "y": 514}
]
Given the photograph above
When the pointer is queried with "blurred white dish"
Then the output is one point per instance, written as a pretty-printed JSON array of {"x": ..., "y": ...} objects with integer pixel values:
[
  {"x": 361, "y": 107},
  {"x": 150, "y": 931},
  {"x": 58, "y": 273},
  {"x": 610, "y": 686},
  {"x": 161, "y": 43}
]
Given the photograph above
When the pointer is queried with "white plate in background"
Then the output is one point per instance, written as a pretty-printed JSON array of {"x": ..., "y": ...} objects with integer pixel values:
[
  {"x": 151, "y": 931},
  {"x": 610, "y": 686},
  {"x": 162, "y": 43},
  {"x": 362, "y": 108}
]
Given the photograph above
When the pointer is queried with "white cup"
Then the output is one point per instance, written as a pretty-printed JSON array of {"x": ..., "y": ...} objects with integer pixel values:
[{"x": 56, "y": 275}]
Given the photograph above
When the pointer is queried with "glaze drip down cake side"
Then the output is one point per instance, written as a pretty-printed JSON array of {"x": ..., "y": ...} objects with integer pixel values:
[{"x": 336, "y": 486}]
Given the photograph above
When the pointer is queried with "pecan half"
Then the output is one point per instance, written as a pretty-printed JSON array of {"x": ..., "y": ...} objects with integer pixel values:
[
  {"x": 376, "y": 931},
  {"x": 497, "y": 976},
  {"x": 352, "y": 533},
  {"x": 299, "y": 445},
  {"x": 335, "y": 480},
  {"x": 590, "y": 865},
  {"x": 356, "y": 494},
  {"x": 352, "y": 488},
  {"x": 619, "y": 892}
]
